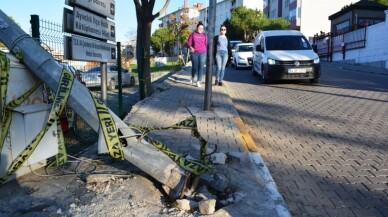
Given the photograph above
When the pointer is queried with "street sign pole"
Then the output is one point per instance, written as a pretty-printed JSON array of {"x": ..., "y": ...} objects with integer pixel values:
[{"x": 209, "y": 59}]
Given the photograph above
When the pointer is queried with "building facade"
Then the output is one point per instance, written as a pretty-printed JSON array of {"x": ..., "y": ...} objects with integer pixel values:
[
  {"x": 184, "y": 13},
  {"x": 308, "y": 16},
  {"x": 224, "y": 9},
  {"x": 198, "y": 12}
]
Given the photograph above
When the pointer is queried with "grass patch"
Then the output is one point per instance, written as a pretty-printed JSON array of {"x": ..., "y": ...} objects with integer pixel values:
[{"x": 171, "y": 66}]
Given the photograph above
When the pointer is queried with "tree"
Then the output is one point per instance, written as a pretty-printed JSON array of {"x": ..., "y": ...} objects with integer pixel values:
[
  {"x": 384, "y": 2},
  {"x": 160, "y": 37},
  {"x": 245, "y": 22},
  {"x": 145, "y": 17},
  {"x": 180, "y": 30},
  {"x": 246, "y": 19}
]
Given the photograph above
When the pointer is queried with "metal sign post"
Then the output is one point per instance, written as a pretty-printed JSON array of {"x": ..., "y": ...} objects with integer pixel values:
[{"x": 209, "y": 59}]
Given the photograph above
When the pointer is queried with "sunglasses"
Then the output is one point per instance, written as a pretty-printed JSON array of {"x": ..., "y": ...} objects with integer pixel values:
[{"x": 223, "y": 29}]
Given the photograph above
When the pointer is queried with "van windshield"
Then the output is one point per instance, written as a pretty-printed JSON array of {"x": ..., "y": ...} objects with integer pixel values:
[{"x": 287, "y": 42}]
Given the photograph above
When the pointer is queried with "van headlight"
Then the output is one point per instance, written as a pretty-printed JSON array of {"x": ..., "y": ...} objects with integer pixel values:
[
  {"x": 271, "y": 61},
  {"x": 316, "y": 61}
]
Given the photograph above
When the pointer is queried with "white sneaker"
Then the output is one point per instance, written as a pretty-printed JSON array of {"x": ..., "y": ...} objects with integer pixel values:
[
  {"x": 191, "y": 81},
  {"x": 198, "y": 84}
]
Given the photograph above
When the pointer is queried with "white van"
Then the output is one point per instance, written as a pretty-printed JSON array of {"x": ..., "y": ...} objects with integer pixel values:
[{"x": 284, "y": 55}]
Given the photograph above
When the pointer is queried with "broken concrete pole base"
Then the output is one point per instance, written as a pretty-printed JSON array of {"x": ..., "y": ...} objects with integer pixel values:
[{"x": 145, "y": 156}]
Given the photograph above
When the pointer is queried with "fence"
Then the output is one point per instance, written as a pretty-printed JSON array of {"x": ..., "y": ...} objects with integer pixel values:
[
  {"x": 50, "y": 36},
  {"x": 327, "y": 44}
]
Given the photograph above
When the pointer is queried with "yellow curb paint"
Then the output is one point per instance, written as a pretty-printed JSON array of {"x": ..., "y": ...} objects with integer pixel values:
[{"x": 246, "y": 139}]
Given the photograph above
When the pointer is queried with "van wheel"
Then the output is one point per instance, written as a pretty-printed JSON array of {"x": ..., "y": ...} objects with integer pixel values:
[
  {"x": 314, "y": 81},
  {"x": 111, "y": 85},
  {"x": 263, "y": 79},
  {"x": 254, "y": 73},
  {"x": 132, "y": 82}
]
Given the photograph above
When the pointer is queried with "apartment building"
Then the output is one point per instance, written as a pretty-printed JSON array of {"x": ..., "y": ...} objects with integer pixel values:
[
  {"x": 186, "y": 12},
  {"x": 224, "y": 8},
  {"x": 308, "y": 16},
  {"x": 198, "y": 12}
]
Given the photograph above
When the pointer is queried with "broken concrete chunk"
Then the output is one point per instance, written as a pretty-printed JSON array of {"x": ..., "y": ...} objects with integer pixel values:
[
  {"x": 207, "y": 207},
  {"x": 218, "y": 158},
  {"x": 183, "y": 204},
  {"x": 186, "y": 205}
]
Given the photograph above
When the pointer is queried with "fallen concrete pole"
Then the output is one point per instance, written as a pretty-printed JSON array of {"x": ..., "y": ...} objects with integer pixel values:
[{"x": 140, "y": 153}]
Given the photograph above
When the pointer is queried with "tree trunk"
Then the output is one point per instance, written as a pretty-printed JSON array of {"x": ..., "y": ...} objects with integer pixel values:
[{"x": 143, "y": 45}]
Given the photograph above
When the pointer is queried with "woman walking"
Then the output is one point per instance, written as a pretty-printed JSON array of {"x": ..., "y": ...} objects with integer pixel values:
[
  {"x": 222, "y": 53},
  {"x": 197, "y": 43}
]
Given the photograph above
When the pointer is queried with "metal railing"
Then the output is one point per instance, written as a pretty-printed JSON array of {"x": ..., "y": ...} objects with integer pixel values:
[{"x": 328, "y": 44}]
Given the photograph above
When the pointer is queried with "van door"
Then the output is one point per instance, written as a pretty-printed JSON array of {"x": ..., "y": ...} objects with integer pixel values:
[
  {"x": 255, "y": 55},
  {"x": 260, "y": 54}
]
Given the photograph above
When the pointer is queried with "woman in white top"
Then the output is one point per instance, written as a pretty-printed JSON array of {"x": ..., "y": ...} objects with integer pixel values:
[{"x": 222, "y": 53}]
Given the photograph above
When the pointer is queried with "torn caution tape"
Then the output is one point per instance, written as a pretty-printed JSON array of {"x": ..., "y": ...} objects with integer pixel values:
[
  {"x": 58, "y": 104},
  {"x": 193, "y": 166},
  {"x": 62, "y": 94}
]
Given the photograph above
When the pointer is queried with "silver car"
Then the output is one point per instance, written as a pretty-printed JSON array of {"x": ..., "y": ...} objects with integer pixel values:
[{"x": 92, "y": 77}]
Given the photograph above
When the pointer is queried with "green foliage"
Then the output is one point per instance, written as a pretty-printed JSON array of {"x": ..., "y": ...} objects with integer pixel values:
[
  {"x": 170, "y": 66},
  {"x": 384, "y": 2},
  {"x": 278, "y": 23},
  {"x": 169, "y": 36},
  {"x": 245, "y": 22},
  {"x": 162, "y": 36}
]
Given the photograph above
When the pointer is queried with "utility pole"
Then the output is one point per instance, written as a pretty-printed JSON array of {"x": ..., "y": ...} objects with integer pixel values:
[{"x": 209, "y": 59}]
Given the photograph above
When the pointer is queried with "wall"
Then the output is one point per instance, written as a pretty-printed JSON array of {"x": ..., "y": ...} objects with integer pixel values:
[{"x": 375, "y": 52}]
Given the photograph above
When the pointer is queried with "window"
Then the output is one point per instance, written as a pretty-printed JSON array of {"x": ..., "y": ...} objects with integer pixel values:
[
  {"x": 342, "y": 27},
  {"x": 362, "y": 22},
  {"x": 292, "y": 14},
  {"x": 287, "y": 42}
]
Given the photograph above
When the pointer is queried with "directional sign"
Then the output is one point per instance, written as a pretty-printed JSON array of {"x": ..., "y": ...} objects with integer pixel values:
[
  {"x": 103, "y": 7},
  {"x": 90, "y": 24},
  {"x": 81, "y": 48}
]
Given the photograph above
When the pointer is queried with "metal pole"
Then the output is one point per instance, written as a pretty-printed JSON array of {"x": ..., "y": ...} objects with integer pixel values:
[
  {"x": 119, "y": 79},
  {"x": 104, "y": 76},
  {"x": 209, "y": 59},
  {"x": 35, "y": 27},
  {"x": 140, "y": 153}
]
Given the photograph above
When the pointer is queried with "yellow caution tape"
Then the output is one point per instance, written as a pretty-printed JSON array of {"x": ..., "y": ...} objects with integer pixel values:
[
  {"x": 109, "y": 129},
  {"x": 107, "y": 123},
  {"x": 61, "y": 157},
  {"x": 62, "y": 94},
  {"x": 195, "y": 167},
  {"x": 6, "y": 113}
]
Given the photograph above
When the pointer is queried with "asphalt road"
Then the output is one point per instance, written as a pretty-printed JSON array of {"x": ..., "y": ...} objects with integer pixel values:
[{"x": 325, "y": 145}]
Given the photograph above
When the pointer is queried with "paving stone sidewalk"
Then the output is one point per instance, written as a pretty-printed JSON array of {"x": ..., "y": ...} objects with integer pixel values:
[{"x": 225, "y": 132}]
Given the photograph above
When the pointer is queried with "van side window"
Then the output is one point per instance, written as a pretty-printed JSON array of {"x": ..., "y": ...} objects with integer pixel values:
[{"x": 262, "y": 43}]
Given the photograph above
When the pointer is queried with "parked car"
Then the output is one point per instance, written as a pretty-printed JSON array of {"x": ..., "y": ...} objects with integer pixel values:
[
  {"x": 233, "y": 43},
  {"x": 242, "y": 55},
  {"x": 76, "y": 72},
  {"x": 92, "y": 77},
  {"x": 285, "y": 55}
]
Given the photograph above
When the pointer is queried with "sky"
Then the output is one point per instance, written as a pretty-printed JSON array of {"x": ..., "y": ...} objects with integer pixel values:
[{"x": 52, "y": 10}]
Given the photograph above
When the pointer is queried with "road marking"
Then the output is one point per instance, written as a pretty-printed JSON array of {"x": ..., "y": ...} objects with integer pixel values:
[{"x": 246, "y": 139}]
